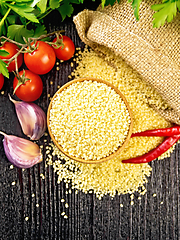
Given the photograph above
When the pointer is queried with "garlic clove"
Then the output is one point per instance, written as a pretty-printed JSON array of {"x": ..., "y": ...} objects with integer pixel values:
[
  {"x": 32, "y": 119},
  {"x": 21, "y": 152}
]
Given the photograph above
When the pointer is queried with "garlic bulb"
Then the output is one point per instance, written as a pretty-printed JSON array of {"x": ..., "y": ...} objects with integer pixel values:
[
  {"x": 21, "y": 152},
  {"x": 32, "y": 119}
]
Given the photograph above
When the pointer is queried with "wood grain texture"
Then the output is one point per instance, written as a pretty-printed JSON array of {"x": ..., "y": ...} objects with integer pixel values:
[{"x": 151, "y": 217}]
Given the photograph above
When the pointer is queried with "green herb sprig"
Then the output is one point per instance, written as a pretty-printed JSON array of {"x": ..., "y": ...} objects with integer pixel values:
[
  {"x": 165, "y": 11},
  {"x": 17, "y": 15},
  {"x": 23, "y": 19}
]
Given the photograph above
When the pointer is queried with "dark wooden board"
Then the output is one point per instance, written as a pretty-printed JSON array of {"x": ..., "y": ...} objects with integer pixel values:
[{"x": 151, "y": 217}]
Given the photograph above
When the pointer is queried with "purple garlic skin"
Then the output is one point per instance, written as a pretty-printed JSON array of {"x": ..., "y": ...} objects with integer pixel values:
[
  {"x": 32, "y": 119},
  {"x": 21, "y": 152}
]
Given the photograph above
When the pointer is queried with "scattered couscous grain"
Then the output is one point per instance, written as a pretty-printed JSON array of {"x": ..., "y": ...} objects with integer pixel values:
[
  {"x": 42, "y": 176},
  {"x": 113, "y": 177},
  {"x": 66, "y": 205}
]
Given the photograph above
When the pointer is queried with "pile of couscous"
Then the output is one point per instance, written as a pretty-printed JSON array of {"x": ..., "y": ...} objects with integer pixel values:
[{"x": 113, "y": 177}]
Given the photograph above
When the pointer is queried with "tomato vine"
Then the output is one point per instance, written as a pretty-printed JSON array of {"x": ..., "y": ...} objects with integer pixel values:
[{"x": 28, "y": 46}]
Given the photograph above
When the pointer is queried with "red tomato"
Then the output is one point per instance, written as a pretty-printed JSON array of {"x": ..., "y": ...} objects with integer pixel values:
[
  {"x": 31, "y": 90},
  {"x": 12, "y": 49},
  {"x": 41, "y": 60},
  {"x": 1, "y": 80},
  {"x": 67, "y": 52}
]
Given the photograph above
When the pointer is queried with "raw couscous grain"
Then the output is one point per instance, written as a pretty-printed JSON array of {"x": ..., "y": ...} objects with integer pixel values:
[
  {"x": 89, "y": 120},
  {"x": 113, "y": 177}
]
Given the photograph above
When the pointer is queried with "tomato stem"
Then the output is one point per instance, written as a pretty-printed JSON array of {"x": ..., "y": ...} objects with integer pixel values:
[{"x": 21, "y": 79}]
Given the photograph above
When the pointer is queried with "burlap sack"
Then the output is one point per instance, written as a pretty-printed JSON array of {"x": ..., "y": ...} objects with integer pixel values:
[{"x": 153, "y": 52}]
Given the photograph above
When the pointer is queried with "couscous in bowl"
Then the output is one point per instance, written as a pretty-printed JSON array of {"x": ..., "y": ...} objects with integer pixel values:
[{"x": 89, "y": 120}]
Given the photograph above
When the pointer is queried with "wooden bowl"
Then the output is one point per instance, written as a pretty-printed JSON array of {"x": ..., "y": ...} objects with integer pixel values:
[{"x": 102, "y": 159}]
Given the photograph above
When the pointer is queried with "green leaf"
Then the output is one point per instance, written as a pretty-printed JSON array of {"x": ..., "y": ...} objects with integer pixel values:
[
  {"x": 178, "y": 5},
  {"x": 12, "y": 19},
  {"x": 24, "y": 11},
  {"x": 34, "y": 3},
  {"x": 166, "y": 11},
  {"x": 17, "y": 32},
  {"x": 40, "y": 30},
  {"x": 66, "y": 9},
  {"x": 4, "y": 53},
  {"x": 2, "y": 29},
  {"x": 157, "y": 7},
  {"x": 3, "y": 68},
  {"x": 107, "y": 2},
  {"x": 135, "y": 6},
  {"x": 20, "y": 1},
  {"x": 42, "y": 5},
  {"x": 54, "y": 4}
]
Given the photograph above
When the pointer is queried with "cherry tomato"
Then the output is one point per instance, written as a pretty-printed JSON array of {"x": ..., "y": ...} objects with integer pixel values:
[
  {"x": 67, "y": 51},
  {"x": 32, "y": 89},
  {"x": 41, "y": 60},
  {"x": 1, "y": 81},
  {"x": 12, "y": 49}
]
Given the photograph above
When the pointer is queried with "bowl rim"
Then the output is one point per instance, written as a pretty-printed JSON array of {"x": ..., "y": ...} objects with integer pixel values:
[{"x": 114, "y": 154}]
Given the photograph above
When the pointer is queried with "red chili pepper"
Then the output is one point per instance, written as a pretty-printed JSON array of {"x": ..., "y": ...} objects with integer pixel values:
[
  {"x": 155, "y": 153},
  {"x": 161, "y": 132}
]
